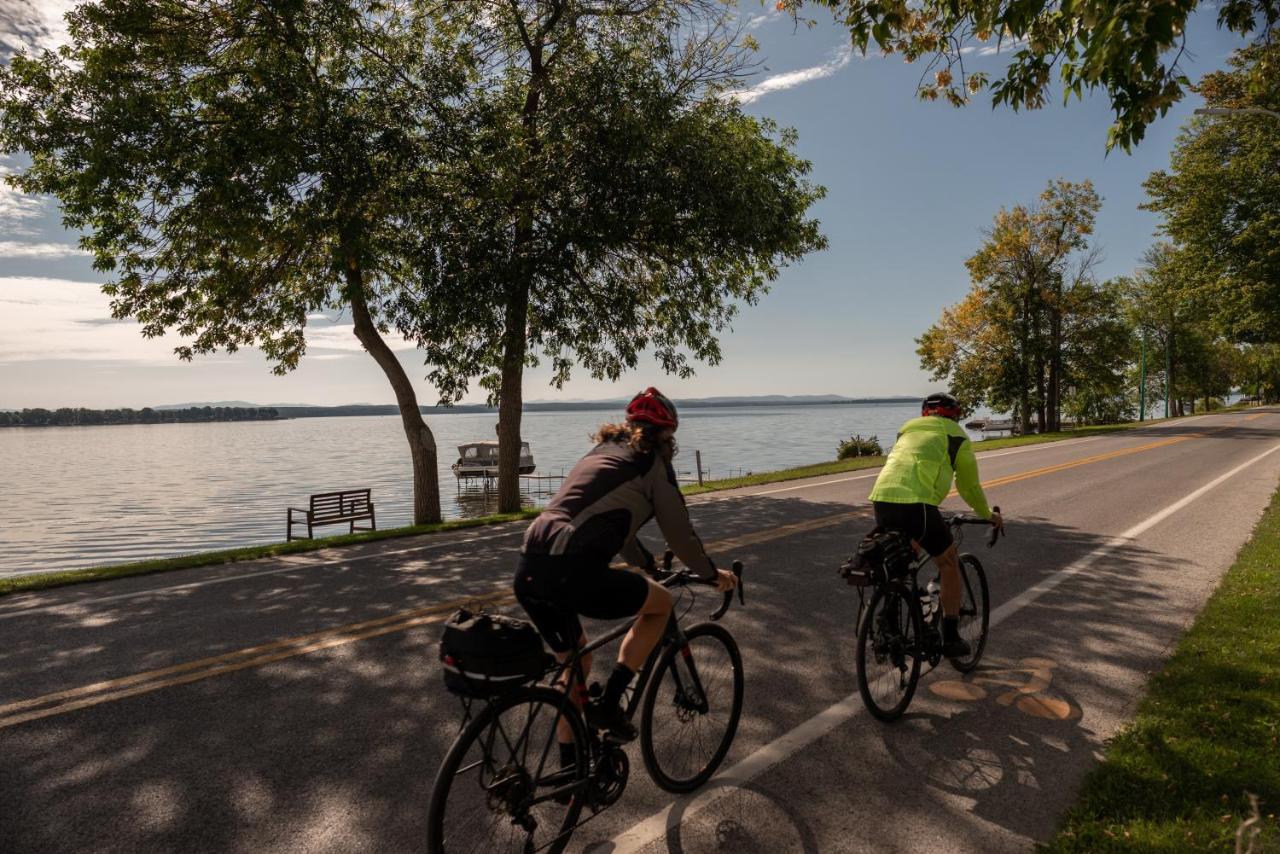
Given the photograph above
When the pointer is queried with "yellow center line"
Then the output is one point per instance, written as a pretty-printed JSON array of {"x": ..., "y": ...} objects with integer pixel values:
[{"x": 61, "y": 702}]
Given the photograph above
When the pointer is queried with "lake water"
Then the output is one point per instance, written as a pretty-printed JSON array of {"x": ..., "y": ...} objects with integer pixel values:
[{"x": 88, "y": 496}]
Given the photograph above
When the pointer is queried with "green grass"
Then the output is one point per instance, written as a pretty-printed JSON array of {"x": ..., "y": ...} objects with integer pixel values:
[
  {"x": 820, "y": 469},
  {"x": 1207, "y": 732},
  {"x": 45, "y": 580},
  {"x": 815, "y": 470}
]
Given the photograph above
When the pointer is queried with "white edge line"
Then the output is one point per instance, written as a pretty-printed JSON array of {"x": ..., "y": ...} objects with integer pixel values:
[{"x": 657, "y": 825}]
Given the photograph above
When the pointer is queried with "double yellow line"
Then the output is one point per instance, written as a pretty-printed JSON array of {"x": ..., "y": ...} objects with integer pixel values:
[{"x": 60, "y": 702}]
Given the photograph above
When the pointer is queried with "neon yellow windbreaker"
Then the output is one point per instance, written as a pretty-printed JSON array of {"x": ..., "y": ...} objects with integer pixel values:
[{"x": 920, "y": 466}]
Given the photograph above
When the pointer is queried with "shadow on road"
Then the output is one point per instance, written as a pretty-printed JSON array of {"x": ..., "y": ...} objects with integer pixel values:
[{"x": 336, "y": 750}]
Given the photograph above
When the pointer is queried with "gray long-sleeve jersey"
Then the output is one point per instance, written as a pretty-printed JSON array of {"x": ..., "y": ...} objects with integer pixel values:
[{"x": 606, "y": 498}]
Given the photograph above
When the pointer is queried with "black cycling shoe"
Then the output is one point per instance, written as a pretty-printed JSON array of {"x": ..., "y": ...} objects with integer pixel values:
[
  {"x": 613, "y": 721},
  {"x": 956, "y": 648}
]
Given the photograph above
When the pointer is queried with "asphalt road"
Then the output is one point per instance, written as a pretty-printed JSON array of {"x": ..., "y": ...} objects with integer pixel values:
[{"x": 295, "y": 704}]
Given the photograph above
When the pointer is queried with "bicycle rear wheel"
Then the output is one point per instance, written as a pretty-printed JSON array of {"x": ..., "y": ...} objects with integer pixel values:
[
  {"x": 501, "y": 787},
  {"x": 889, "y": 645},
  {"x": 691, "y": 709},
  {"x": 975, "y": 612}
]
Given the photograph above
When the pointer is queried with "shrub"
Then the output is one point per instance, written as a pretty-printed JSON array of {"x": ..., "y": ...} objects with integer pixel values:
[{"x": 859, "y": 447}]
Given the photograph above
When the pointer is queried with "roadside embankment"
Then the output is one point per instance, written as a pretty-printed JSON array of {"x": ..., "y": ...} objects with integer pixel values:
[
  {"x": 1205, "y": 742},
  {"x": 54, "y": 578}
]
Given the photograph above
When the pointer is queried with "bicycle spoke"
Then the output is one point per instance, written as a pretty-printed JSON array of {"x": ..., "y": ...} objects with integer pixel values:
[
  {"x": 497, "y": 799},
  {"x": 693, "y": 711}
]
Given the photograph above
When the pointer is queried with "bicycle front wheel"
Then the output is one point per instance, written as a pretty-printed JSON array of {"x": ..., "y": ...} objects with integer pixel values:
[
  {"x": 691, "y": 709},
  {"x": 501, "y": 786},
  {"x": 889, "y": 648},
  {"x": 975, "y": 612}
]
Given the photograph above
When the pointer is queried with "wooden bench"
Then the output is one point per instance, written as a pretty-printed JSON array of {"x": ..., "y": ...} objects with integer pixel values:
[{"x": 328, "y": 508}]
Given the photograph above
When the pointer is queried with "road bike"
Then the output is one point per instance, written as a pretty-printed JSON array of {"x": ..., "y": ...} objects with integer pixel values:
[
  {"x": 900, "y": 625},
  {"x": 502, "y": 787}
]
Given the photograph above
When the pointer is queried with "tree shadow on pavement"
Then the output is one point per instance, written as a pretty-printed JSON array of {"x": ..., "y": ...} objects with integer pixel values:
[{"x": 336, "y": 750}]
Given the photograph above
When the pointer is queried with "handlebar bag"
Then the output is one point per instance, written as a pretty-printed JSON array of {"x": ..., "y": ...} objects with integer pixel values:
[{"x": 485, "y": 654}]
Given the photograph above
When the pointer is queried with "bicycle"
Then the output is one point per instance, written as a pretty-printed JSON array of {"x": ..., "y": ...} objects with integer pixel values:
[
  {"x": 502, "y": 758},
  {"x": 896, "y": 635}
]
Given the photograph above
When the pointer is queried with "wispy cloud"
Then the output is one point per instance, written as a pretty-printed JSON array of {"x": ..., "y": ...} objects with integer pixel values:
[
  {"x": 17, "y": 208},
  {"x": 16, "y": 249},
  {"x": 47, "y": 319},
  {"x": 29, "y": 25},
  {"x": 994, "y": 48},
  {"x": 792, "y": 79},
  {"x": 61, "y": 319}
]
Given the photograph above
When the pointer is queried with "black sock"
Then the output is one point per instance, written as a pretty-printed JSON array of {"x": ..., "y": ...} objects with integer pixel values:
[
  {"x": 568, "y": 755},
  {"x": 950, "y": 628},
  {"x": 619, "y": 679}
]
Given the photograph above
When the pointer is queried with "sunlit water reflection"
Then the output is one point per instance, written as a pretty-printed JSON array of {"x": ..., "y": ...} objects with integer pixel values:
[{"x": 86, "y": 496}]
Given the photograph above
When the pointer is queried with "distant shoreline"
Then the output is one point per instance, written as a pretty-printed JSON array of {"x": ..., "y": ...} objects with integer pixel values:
[{"x": 161, "y": 415}]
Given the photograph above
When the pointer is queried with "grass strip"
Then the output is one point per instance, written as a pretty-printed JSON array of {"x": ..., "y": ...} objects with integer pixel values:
[
  {"x": 45, "y": 580},
  {"x": 1206, "y": 736},
  {"x": 820, "y": 469}
]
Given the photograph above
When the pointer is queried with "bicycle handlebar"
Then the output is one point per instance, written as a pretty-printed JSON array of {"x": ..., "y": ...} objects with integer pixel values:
[
  {"x": 667, "y": 578},
  {"x": 967, "y": 519}
]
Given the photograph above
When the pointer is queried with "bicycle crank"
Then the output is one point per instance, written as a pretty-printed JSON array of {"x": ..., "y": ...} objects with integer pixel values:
[{"x": 610, "y": 778}]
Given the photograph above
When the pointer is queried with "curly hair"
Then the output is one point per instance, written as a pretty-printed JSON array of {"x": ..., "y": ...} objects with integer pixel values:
[{"x": 645, "y": 438}]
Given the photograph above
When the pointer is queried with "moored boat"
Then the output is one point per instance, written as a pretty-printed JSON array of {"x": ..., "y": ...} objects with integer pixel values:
[{"x": 480, "y": 459}]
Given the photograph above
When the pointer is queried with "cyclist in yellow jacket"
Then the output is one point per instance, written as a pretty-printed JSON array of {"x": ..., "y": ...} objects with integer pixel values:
[{"x": 930, "y": 451}]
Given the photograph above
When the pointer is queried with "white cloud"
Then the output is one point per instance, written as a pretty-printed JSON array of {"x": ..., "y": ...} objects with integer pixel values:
[
  {"x": 342, "y": 336},
  {"x": 1004, "y": 47},
  {"x": 792, "y": 79},
  {"x": 15, "y": 206},
  {"x": 33, "y": 24},
  {"x": 46, "y": 319},
  {"x": 15, "y": 249},
  {"x": 61, "y": 319}
]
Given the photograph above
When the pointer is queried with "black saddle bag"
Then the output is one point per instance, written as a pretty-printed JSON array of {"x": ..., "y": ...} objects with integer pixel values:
[
  {"x": 486, "y": 654},
  {"x": 881, "y": 555}
]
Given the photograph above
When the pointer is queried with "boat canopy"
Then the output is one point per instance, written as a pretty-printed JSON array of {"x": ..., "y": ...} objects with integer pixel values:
[{"x": 485, "y": 449}]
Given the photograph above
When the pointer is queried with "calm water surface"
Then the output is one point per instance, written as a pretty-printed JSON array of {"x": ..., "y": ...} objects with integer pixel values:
[{"x": 87, "y": 496}]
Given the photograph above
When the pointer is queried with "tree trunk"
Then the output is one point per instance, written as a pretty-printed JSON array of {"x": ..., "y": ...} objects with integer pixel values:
[
  {"x": 422, "y": 444},
  {"x": 1055, "y": 372},
  {"x": 511, "y": 398},
  {"x": 1041, "y": 396}
]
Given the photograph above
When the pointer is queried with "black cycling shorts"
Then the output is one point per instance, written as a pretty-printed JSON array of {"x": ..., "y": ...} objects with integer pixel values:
[
  {"x": 555, "y": 589},
  {"x": 921, "y": 522}
]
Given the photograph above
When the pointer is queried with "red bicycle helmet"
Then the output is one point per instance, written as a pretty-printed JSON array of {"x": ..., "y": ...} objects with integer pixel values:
[
  {"x": 651, "y": 407},
  {"x": 941, "y": 404}
]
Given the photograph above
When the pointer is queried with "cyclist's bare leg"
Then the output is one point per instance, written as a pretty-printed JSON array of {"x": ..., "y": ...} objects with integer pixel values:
[
  {"x": 651, "y": 622},
  {"x": 564, "y": 732},
  {"x": 948, "y": 564}
]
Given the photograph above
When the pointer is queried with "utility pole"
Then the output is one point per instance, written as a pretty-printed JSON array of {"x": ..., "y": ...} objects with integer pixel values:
[
  {"x": 1142, "y": 382},
  {"x": 1168, "y": 379}
]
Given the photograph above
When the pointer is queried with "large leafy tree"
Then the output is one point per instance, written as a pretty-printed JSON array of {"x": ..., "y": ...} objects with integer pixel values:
[
  {"x": 1164, "y": 306},
  {"x": 1035, "y": 323},
  {"x": 1129, "y": 49},
  {"x": 613, "y": 201},
  {"x": 1220, "y": 199},
  {"x": 236, "y": 165}
]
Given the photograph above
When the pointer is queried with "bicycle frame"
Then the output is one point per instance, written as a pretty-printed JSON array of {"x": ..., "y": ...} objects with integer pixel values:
[{"x": 672, "y": 634}]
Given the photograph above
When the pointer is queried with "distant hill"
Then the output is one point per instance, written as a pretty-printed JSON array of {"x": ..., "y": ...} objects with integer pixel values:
[{"x": 230, "y": 403}]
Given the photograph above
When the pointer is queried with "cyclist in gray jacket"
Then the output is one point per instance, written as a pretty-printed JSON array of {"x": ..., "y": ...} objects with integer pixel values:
[{"x": 623, "y": 482}]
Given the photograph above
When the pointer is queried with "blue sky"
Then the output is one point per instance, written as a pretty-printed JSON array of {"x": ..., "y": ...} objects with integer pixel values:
[{"x": 910, "y": 185}]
